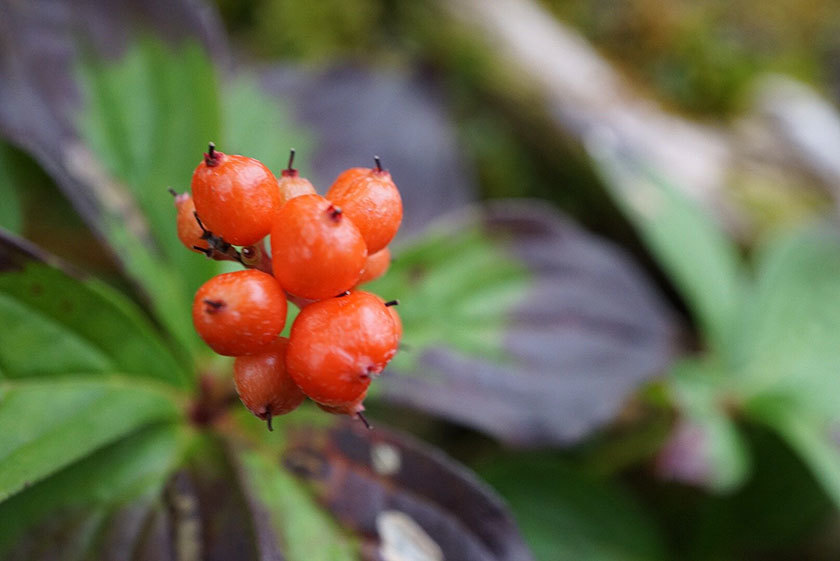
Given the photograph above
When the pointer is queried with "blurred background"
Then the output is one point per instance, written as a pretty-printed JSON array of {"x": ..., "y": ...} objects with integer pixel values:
[{"x": 646, "y": 364}]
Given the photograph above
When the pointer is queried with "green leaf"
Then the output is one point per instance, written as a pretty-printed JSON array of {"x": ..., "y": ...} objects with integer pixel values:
[
  {"x": 49, "y": 424},
  {"x": 56, "y": 324},
  {"x": 11, "y": 211},
  {"x": 88, "y": 494},
  {"x": 695, "y": 254},
  {"x": 790, "y": 343},
  {"x": 146, "y": 121},
  {"x": 567, "y": 516}
]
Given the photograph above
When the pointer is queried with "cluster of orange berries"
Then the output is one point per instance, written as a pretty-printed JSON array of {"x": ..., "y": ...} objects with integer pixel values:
[{"x": 322, "y": 248}]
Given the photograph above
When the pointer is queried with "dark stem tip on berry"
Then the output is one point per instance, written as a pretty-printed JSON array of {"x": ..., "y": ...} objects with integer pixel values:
[
  {"x": 268, "y": 421},
  {"x": 378, "y": 164},
  {"x": 211, "y": 158},
  {"x": 291, "y": 159},
  {"x": 213, "y": 306},
  {"x": 364, "y": 420},
  {"x": 334, "y": 212},
  {"x": 390, "y": 303},
  {"x": 172, "y": 192}
]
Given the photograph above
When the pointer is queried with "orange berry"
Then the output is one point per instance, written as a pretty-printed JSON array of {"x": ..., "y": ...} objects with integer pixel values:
[
  {"x": 337, "y": 345},
  {"x": 376, "y": 265},
  {"x": 239, "y": 313},
  {"x": 317, "y": 252},
  {"x": 189, "y": 232},
  {"x": 292, "y": 184},
  {"x": 263, "y": 384},
  {"x": 373, "y": 203},
  {"x": 236, "y": 197}
]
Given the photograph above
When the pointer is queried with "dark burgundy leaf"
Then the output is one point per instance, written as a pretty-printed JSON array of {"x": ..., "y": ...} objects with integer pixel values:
[
  {"x": 41, "y": 42},
  {"x": 357, "y": 114},
  {"x": 588, "y": 329},
  {"x": 400, "y": 494}
]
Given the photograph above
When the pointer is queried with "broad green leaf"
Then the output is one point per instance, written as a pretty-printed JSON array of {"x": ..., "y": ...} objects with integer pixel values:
[
  {"x": 145, "y": 122},
  {"x": 69, "y": 510},
  {"x": 567, "y": 516},
  {"x": 11, "y": 211},
  {"x": 696, "y": 255},
  {"x": 49, "y": 424},
  {"x": 56, "y": 324},
  {"x": 790, "y": 343}
]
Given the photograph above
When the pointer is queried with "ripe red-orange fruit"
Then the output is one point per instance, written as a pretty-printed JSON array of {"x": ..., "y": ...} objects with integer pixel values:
[
  {"x": 239, "y": 313},
  {"x": 236, "y": 197},
  {"x": 336, "y": 346},
  {"x": 376, "y": 265},
  {"x": 263, "y": 384},
  {"x": 189, "y": 232},
  {"x": 373, "y": 203},
  {"x": 348, "y": 176},
  {"x": 317, "y": 252},
  {"x": 292, "y": 184}
]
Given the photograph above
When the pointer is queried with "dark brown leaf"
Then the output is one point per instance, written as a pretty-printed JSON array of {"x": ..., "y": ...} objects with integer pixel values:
[{"x": 403, "y": 496}]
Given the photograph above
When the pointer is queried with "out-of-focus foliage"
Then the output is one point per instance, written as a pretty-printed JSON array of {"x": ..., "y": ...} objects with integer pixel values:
[{"x": 703, "y": 55}]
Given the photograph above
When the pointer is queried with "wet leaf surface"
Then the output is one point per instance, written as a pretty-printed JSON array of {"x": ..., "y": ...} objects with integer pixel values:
[{"x": 520, "y": 324}]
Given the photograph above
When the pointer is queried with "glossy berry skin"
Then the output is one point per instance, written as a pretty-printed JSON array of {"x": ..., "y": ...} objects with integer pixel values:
[
  {"x": 337, "y": 345},
  {"x": 237, "y": 197},
  {"x": 239, "y": 313},
  {"x": 189, "y": 232},
  {"x": 373, "y": 203},
  {"x": 293, "y": 185},
  {"x": 376, "y": 265},
  {"x": 348, "y": 176},
  {"x": 317, "y": 252},
  {"x": 263, "y": 384}
]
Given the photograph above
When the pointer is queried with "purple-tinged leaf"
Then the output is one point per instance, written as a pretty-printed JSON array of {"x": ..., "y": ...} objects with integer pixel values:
[
  {"x": 520, "y": 324},
  {"x": 356, "y": 114},
  {"x": 404, "y": 498}
]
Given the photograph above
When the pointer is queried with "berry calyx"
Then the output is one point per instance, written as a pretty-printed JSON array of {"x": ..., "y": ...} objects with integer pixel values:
[
  {"x": 372, "y": 201},
  {"x": 317, "y": 252},
  {"x": 236, "y": 196},
  {"x": 239, "y": 313},
  {"x": 337, "y": 345},
  {"x": 263, "y": 384}
]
